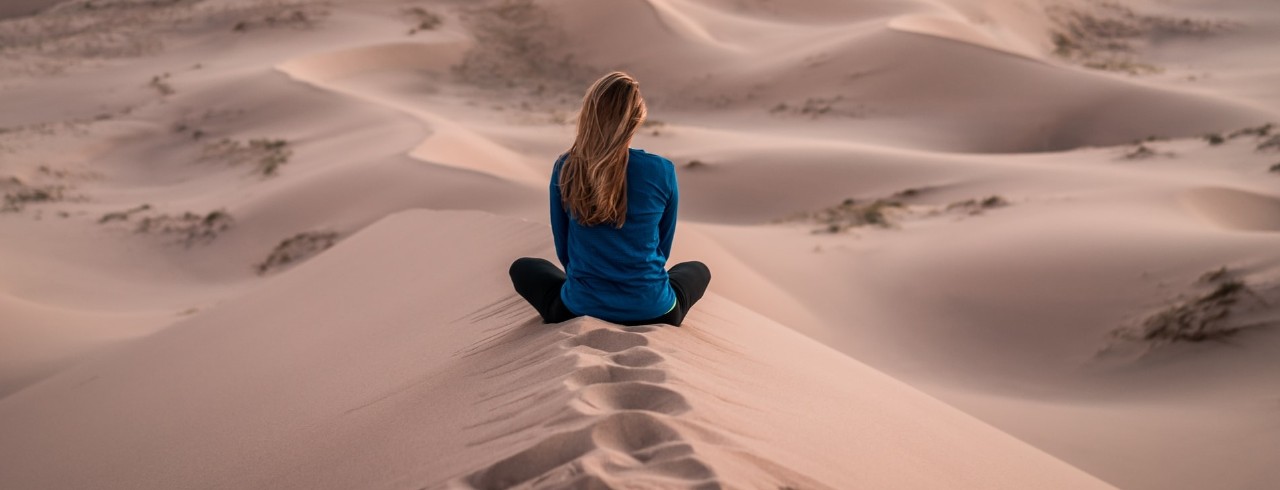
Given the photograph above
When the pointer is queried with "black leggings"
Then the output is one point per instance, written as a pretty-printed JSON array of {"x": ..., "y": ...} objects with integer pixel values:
[{"x": 539, "y": 281}]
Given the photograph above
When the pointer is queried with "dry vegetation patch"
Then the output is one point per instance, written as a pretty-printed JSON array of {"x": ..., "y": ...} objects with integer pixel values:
[
  {"x": 851, "y": 214},
  {"x": 1106, "y": 35},
  {"x": 297, "y": 17},
  {"x": 1255, "y": 131},
  {"x": 161, "y": 84},
  {"x": 518, "y": 45},
  {"x": 18, "y": 194},
  {"x": 1208, "y": 315},
  {"x": 189, "y": 228},
  {"x": 1140, "y": 152},
  {"x": 1270, "y": 144},
  {"x": 270, "y": 154},
  {"x": 888, "y": 212},
  {"x": 70, "y": 33},
  {"x": 977, "y": 206},
  {"x": 123, "y": 215},
  {"x": 1263, "y": 136},
  {"x": 816, "y": 107},
  {"x": 296, "y": 249},
  {"x": 422, "y": 19}
]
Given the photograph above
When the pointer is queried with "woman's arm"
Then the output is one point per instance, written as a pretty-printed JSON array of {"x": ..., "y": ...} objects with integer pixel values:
[
  {"x": 667, "y": 225},
  {"x": 559, "y": 219}
]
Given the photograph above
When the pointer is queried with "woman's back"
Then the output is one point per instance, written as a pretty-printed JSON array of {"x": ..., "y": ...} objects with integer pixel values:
[
  {"x": 613, "y": 218},
  {"x": 619, "y": 273}
]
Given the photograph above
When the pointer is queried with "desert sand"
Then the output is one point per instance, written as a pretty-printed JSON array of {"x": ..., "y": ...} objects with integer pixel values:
[{"x": 955, "y": 244}]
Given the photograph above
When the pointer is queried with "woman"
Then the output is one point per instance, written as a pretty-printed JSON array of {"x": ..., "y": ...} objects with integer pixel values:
[{"x": 613, "y": 217}]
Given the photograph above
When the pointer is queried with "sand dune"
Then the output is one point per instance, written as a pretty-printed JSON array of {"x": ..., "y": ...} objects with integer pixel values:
[
  {"x": 449, "y": 143},
  {"x": 263, "y": 245},
  {"x": 287, "y": 375},
  {"x": 1235, "y": 209}
]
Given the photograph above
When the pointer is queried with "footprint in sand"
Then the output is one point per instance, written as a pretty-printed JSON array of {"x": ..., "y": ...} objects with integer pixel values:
[
  {"x": 622, "y": 425},
  {"x": 606, "y": 373},
  {"x": 608, "y": 340},
  {"x": 649, "y": 444},
  {"x": 634, "y": 395},
  {"x": 638, "y": 356}
]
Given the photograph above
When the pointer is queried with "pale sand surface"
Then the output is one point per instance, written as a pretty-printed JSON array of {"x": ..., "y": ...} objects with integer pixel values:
[
  {"x": 961, "y": 346},
  {"x": 369, "y": 367}
]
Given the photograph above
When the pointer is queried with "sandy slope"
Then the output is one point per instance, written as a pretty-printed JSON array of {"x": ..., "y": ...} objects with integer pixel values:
[
  {"x": 374, "y": 367},
  {"x": 165, "y": 339}
]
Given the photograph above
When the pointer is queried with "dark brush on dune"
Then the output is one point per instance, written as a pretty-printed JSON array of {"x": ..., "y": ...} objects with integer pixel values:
[
  {"x": 123, "y": 215},
  {"x": 1140, "y": 152},
  {"x": 850, "y": 213},
  {"x": 191, "y": 228},
  {"x": 1271, "y": 144},
  {"x": 270, "y": 153},
  {"x": 1259, "y": 131},
  {"x": 297, "y": 248},
  {"x": 885, "y": 212},
  {"x": 18, "y": 194},
  {"x": 975, "y": 206},
  {"x": 1108, "y": 36},
  {"x": 1204, "y": 317},
  {"x": 423, "y": 19}
]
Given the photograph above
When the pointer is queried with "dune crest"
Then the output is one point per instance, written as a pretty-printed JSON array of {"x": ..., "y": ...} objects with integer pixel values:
[{"x": 448, "y": 143}]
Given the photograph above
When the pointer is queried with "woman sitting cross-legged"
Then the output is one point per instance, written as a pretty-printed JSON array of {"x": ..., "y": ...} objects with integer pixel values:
[{"x": 613, "y": 218}]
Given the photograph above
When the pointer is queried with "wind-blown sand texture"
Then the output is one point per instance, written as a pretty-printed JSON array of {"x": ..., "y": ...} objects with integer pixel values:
[{"x": 956, "y": 244}]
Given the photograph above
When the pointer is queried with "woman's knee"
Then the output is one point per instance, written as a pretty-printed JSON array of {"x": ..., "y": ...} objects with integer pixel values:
[
  {"x": 523, "y": 264},
  {"x": 694, "y": 268},
  {"x": 702, "y": 269}
]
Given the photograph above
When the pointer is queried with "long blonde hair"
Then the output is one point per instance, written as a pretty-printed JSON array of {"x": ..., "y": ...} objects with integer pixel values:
[{"x": 593, "y": 177}]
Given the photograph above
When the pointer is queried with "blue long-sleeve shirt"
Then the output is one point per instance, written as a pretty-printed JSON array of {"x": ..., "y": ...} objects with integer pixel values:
[{"x": 619, "y": 274}]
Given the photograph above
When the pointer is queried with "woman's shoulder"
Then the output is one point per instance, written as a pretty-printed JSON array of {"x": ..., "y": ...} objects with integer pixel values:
[{"x": 638, "y": 155}]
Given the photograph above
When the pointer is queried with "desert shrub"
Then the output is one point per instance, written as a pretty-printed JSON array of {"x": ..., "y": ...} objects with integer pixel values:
[
  {"x": 816, "y": 107},
  {"x": 270, "y": 154},
  {"x": 123, "y": 215},
  {"x": 1258, "y": 131},
  {"x": 850, "y": 213},
  {"x": 1140, "y": 152},
  {"x": 909, "y": 192},
  {"x": 1205, "y": 316},
  {"x": 975, "y": 206},
  {"x": 423, "y": 19},
  {"x": 1270, "y": 144},
  {"x": 517, "y": 44},
  {"x": 190, "y": 228},
  {"x": 18, "y": 194},
  {"x": 297, "y": 248},
  {"x": 64, "y": 35},
  {"x": 887, "y": 213},
  {"x": 1107, "y": 36},
  {"x": 282, "y": 16},
  {"x": 161, "y": 84},
  {"x": 274, "y": 154}
]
